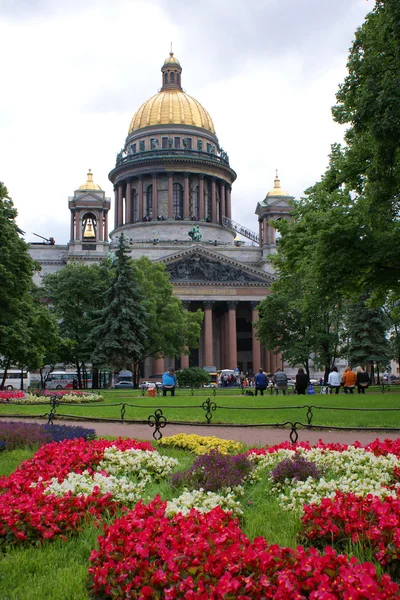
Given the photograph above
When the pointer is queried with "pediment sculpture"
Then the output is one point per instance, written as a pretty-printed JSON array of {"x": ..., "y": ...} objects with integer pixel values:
[{"x": 197, "y": 268}]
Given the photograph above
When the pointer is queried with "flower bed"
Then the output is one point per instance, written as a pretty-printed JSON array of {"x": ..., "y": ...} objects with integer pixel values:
[
  {"x": 7, "y": 395},
  {"x": 66, "y": 396},
  {"x": 199, "y": 444},
  {"x": 198, "y": 556},
  {"x": 28, "y": 435}
]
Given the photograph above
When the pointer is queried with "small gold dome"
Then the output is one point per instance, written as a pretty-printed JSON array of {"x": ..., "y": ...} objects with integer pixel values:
[
  {"x": 90, "y": 185},
  {"x": 171, "y": 107},
  {"x": 277, "y": 190},
  {"x": 171, "y": 60}
]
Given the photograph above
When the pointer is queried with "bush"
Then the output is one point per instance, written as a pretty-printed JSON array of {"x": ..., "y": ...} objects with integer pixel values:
[
  {"x": 15, "y": 434},
  {"x": 214, "y": 471},
  {"x": 298, "y": 468}
]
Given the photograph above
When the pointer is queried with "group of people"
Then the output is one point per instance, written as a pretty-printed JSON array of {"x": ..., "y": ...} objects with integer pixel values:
[
  {"x": 279, "y": 381},
  {"x": 349, "y": 380}
]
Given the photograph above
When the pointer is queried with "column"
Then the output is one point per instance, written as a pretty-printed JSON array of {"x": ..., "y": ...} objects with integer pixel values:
[
  {"x": 213, "y": 200},
  {"x": 232, "y": 335},
  {"x": 260, "y": 233},
  {"x": 226, "y": 341},
  {"x": 266, "y": 236},
  {"x": 228, "y": 202},
  {"x": 158, "y": 366},
  {"x": 77, "y": 225},
  {"x": 170, "y": 196},
  {"x": 222, "y": 204},
  {"x": 201, "y": 198},
  {"x": 256, "y": 346},
  {"x": 115, "y": 207},
  {"x": 100, "y": 226},
  {"x": 208, "y": 335},
  {"x": 184, "y": 361},
  {"x": 120, "y": 206},
  {"x": 140, "y": 199},
  {"x": 128, "y": 202},
  {"x": 71, "y": 234},
  {"x": 155, "y": 196},
  {"x": 272, "y": 233},
  {"x": 106, "y": 226},
  {"x": 186, "y": 197}
]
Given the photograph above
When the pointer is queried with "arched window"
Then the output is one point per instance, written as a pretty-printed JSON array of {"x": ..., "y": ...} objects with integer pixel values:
[
  {"x": 149, "y": 201},
  {"x": 195, "y": 208},
  {"x": 135, "y": 206},
  {"x": 89, "y": 227},
  {"x": 165, "y": 78},
  {"x": 172, "y": 78},
  {"x": 178, "y": 200}
]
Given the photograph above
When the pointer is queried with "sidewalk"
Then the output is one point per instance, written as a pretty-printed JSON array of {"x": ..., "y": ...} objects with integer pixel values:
[{"x": 251, "y": 436}]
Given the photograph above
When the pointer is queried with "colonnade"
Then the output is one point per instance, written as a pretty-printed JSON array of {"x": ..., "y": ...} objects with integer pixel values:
[
  {"x": 134, "y": 190},
  {"x": 226, "y": 346},
  {"x": 266, "y": 233}
]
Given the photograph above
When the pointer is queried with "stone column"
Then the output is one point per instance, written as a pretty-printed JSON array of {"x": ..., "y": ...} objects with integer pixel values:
[
  {"x": 140, "y": 199},
  {"x": 155, "y": 196},
  {"x": 272, "y": 233},
  {"x": 213, "y": 200},
  {"x": 77, "y": 225},
  {"x": 222, "y": 204},
  {"x": 128, "y": 202},
  {"x": 260, "y": 233},
  {"x": 265, "y": 228},
  {"x": 106, "y": 226},
  {"x": 120, "y": 206},
  {"x": 100, "y": 226},
  {"x": 186, "y": 197},
  {"x": 115, "y": 207},
  {"x": 201, "y": 197},
  {"x": 208, "y": 334},
  {"x": 158, "y": 365},
  {"x": 184, "y": 361},
  {"x": 232, "y": 335},
  {"x": 228, "y": 203},
  {"x": 256, "y": 347},
  {"x": 71, "y": 234},
  {"x": 170, "y": 195}
]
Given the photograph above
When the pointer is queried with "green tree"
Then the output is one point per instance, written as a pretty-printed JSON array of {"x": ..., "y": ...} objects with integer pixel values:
[
  {"x": 192, "y": 377},
  {"x": 120, "y": 328},
  {"x": 366, "y": 329},
  {"x": 75, "y": 293},
  {"x": 392, "y": 311}
]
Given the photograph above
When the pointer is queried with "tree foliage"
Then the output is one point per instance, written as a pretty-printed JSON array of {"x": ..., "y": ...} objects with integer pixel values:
[{"x": 192, "y": 377}]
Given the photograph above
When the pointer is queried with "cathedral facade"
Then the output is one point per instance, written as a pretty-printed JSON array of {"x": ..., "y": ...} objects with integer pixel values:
[{"x": 173, "y": 202}]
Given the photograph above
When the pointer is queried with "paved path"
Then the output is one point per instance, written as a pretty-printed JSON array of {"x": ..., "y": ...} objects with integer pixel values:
[{"x": 252, "y": 436}]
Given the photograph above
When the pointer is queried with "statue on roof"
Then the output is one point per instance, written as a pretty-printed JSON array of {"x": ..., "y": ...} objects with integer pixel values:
[{"x": 195, "y": 233}]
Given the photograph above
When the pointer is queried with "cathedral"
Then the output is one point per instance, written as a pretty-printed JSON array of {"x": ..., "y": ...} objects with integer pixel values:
[{"x": 173, "y": 202}]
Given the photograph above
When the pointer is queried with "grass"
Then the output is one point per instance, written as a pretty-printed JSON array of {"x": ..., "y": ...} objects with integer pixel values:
[{"x": 233, "y": 408}]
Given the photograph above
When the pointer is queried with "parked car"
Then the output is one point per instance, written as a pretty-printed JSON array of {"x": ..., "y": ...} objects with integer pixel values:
[
  {"x": 145, "y": 385},
  {"x": 124, "y": 385}
]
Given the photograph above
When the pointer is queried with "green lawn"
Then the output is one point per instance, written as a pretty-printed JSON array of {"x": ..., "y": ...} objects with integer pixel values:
[{"x": 234, "y": 408}]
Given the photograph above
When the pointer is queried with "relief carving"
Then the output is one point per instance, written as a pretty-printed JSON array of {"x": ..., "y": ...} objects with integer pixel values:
[{"x": 197, "y": 268}]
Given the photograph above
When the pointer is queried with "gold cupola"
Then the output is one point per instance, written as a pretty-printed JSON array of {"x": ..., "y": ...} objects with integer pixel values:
[
  {"x": 277, "y": 190},
  {"x": 90, "y": 184},
  {"x": 171, "y": 106}
]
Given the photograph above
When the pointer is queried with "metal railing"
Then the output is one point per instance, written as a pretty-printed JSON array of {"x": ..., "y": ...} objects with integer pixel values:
[
  {"x": 158, "y": 421},
  {"x": 241, "y": 229}
]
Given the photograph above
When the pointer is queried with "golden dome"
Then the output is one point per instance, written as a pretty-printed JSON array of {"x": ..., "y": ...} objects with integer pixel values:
[
  {"x": 277, "y": 190},
  {"x": 171, "y": 60},
  {"x": 89, "y": 184},
  {"x": 171, "y": 107}
]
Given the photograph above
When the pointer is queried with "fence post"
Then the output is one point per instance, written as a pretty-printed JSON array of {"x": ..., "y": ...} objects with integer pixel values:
[
  {"x": 158, "y": 421},
  {"x": 208, "y": 406}
]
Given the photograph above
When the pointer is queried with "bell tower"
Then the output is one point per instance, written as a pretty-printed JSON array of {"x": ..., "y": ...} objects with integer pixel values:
[
  {"x": 276, "y": 205},
  {"x": 89, "y": 219}
]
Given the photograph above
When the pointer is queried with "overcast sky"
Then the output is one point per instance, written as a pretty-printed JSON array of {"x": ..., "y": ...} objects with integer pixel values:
[{"x": 73, "y": 72}]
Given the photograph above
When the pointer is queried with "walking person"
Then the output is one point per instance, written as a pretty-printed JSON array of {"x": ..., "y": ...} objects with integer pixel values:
[
  {"x": 169, "y": 382},
  {"x": 363, "y": 380},
  {"x": 349, "y": 380},
  {"x": 302, "y": 381},
  {"x": 260, "y": 382},
  {"x": 334, "y": 380}
]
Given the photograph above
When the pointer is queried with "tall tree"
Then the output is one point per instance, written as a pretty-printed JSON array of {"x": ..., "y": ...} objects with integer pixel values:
[{"x": 120, "y": 328}]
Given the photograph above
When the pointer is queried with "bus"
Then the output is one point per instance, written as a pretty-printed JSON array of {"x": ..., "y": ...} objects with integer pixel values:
[
  {"x": 13, "y": 379},
  {"x": 63, "y": 380}
]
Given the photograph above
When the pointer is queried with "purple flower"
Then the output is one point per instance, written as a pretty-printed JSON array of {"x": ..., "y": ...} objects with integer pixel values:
[{"x": 298, "y": 468}]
